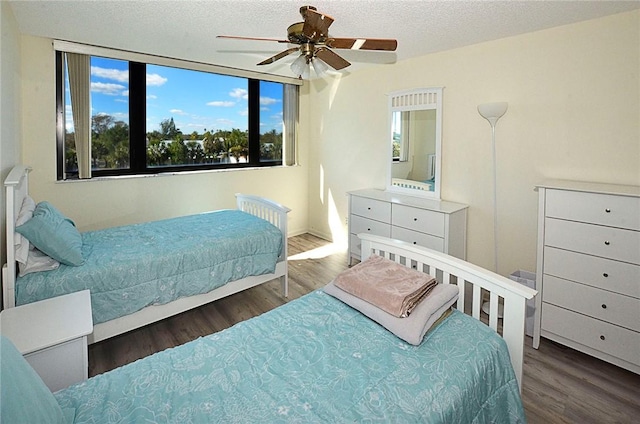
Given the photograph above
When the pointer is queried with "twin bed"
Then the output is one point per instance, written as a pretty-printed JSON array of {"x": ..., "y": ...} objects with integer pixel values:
[
  {"x": 139, "y": 274},
  {"x": 316, "y": 359}
]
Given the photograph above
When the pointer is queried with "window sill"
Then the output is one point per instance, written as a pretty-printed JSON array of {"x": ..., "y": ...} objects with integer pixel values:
[{"x": 171, "y": 174}]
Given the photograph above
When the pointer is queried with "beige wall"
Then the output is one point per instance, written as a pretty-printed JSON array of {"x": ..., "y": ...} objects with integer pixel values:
[
  {"x": 574, "y": 113},
  {"x": 9, "y": 103},
  {"x": 99, "y": 204}
]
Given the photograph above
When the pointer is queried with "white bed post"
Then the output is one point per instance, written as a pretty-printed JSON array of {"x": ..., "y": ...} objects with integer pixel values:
[
  {"x": 9, "y": 268},
  {"x": 16, "y": 188},
  {"x": 513, "y": 333}
]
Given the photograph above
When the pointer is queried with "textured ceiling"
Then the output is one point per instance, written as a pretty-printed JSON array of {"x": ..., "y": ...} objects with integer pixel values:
[{"x": 187, "y": 29}]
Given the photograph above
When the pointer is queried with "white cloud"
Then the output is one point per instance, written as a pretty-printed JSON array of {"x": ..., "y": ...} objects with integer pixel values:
[
  {"x": 109, "y": 89},
  {"x": 221, "y": 103},
  {"x": 152, "y": 96},
  {"x": 224, "y": 122},
  {"x": 155, "y": 79},
  {"x": 266, "y": 101},
  {"x": 239, "y": 93},
  {"x": 120, "y": 116},
  {"x": 244, "y": 112},
  {"x": 112, "y": 74},
  {"x": 178, "y": 111}
]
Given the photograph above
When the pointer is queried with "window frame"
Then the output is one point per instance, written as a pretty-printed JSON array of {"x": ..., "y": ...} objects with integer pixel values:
[
  {"x": 403, "y": 144},
  {"x": 137, "y": 111}
]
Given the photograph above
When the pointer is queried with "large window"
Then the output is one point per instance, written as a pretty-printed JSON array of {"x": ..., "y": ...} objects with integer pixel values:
[{"x": 124, "y": 117}]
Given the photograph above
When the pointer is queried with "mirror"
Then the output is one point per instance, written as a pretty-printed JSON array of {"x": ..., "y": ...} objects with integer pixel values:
[{"x": 415, "y": 142}]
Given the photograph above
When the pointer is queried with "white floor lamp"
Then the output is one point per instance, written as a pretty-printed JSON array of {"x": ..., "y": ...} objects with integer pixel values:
[{"x": 492, "y": 112}]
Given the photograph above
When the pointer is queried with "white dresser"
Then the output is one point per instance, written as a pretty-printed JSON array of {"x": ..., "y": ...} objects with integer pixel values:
[
  {"x": 588, "y": 269},
  {"x": 436, "y": 224}
]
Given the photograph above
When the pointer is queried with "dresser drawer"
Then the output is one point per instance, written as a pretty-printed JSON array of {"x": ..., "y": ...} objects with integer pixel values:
[
  {"x": 615, "y": 276},
  {"x": 364, "y": 225},
  {"x": 599, "y": 335},
  {"x": 602, "y": 209},
  {"x": 422, "y": 220},
  {"x": 415, "y": 237},
  {"x": 370, "y": 208},
  {"x": 607, "y": 242},
  {"x": 607, "y": 306}
]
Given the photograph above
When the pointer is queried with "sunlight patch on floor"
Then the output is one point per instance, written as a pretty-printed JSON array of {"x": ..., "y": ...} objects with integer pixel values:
[{"x": 319, "y": 252}]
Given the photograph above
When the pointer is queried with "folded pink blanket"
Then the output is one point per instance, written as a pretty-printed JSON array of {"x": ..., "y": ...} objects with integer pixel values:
[
  {"x": 413, "y": 328},
  {"x": 390, "y": 286}
]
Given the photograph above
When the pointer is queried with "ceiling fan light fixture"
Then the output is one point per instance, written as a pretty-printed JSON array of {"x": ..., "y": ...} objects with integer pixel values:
[
  {"x": 320, "y": 67},
  {"x": 300, "y": 67},
  {"x": 316, "y": 47}
]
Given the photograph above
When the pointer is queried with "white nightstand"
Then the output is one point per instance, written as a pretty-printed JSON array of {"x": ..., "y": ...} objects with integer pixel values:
[{"x": 52, "y": 336}]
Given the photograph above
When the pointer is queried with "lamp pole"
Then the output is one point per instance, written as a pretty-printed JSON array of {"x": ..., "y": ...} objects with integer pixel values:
[{"x": 492, "y": 112}]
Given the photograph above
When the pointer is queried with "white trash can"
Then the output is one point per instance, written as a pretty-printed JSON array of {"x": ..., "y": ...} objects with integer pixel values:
[{"x": 528, "y": 279}]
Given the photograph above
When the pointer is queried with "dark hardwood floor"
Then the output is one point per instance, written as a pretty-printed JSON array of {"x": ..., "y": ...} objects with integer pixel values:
[{"x": 560, "y": 385}]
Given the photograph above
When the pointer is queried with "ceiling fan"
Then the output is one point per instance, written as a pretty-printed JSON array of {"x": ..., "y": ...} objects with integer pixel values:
[{"x": 315, "y": 44}]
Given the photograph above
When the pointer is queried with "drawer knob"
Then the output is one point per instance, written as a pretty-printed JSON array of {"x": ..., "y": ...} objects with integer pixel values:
[
  {"x": 415, "y": 242},
  {"x": 369, "y": 209},
  {"x": 368, "y": 229},
  {"x": 605, "y": 275},
  {"x": 602, "y": 337},
  {"x": 607, "y": 210},
  {"x": 415, "y": 219},
  {"x": 604, "y": 306},
  {"x": 606, "y": 243}
]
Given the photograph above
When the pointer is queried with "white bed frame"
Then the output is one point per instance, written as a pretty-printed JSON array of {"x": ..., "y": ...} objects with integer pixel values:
[
  {"x": 17, "y": 187},
  {"x": 450, "y": 270}
]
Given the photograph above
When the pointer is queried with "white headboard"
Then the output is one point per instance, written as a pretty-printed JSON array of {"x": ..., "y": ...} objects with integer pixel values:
[{"x": 17, "y": 187}]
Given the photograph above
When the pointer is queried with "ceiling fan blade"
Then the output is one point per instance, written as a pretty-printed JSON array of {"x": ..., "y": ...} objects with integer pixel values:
[
  {"x": 279, "y": 56},
  {"x": 252, "y": 38},
  {"x": 331, "y": 58},
  {"x": 363, "y": 43},
  {"x": 316, "y": 25}
]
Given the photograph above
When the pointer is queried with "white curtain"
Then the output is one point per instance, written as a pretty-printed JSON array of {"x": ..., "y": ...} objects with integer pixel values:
[
  {"x": 79, "y": 67},
  {"x": 291, "y": 101}
]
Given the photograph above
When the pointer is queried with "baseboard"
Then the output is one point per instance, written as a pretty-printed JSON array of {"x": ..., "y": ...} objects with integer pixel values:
[{"x": 323, "y": 236}]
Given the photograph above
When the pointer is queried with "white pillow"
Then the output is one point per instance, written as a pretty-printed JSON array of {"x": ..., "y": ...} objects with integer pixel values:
[
  {"x": 37, "y": 262},
  {"x": 21, "y": 244}
]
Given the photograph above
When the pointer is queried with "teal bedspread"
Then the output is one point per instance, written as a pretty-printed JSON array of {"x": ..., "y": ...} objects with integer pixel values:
[
  {"x": 130, "y": 267},
  {"x": 312, "y": 360}
]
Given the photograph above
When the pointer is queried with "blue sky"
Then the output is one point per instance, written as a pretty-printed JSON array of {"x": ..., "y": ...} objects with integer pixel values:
[{"x": 196, "y": 100}]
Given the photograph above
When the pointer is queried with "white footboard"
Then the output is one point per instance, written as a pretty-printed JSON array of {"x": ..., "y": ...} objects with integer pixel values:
[
  {"x": 450, "y": 270},
  {"x": 268, "y": 210},
  {"x": 276, "y": 214}
]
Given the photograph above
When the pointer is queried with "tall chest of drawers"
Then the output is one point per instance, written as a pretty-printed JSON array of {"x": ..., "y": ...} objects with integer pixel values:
[
  {"x": 436, "y": 224},
  {"x": 588, "y": 269}
]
